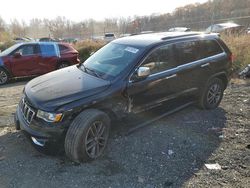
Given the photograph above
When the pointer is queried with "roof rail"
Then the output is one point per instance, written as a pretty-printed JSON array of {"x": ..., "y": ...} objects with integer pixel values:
[{"x": 181, "y": 35}]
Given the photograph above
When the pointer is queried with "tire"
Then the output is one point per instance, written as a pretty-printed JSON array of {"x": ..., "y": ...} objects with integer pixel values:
[
  {"x": 87, "y": 136},
  {"x": 63, "y": 65},
  {"x": 212, "y": 94},
  {"x": 4, "y": 76}
]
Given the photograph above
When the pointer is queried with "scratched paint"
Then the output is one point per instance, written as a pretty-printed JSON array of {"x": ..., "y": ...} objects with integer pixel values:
[{"x": 1, "y": 62}]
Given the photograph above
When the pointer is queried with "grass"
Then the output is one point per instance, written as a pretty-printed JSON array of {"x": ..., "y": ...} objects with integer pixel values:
[
  {"x": 240, "y": 47},
  {"x": 87, "y": 47}
]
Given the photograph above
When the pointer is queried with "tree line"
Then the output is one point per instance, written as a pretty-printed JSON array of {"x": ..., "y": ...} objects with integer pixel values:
[{"x": 196, "y": 16}]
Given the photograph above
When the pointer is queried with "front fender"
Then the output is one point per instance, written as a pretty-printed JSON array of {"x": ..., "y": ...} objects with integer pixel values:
[{"x": 2, "y": 66}]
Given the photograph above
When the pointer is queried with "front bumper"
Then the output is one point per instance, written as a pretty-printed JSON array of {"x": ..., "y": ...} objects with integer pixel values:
[{"x": 39, "y": 131}]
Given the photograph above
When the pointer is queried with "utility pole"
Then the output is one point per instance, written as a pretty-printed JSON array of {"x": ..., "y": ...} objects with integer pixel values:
[{"x": 212, "y": 4}]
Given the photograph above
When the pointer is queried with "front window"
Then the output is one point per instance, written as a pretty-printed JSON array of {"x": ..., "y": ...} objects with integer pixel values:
[
  {"x": 9, "y": 50},
  {"x": 161, "y": 59},
  {"x": 27, "y": 50},
  {"x": 111, "y": 60}
]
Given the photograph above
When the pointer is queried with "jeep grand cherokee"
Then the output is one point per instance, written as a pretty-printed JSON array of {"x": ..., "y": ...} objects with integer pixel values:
[{"x": 75, "y": 105}]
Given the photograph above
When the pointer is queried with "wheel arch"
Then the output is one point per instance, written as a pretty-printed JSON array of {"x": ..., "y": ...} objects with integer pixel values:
[
  {"x": 7, "y": 70},
  {"x": 222, "y": 76}
]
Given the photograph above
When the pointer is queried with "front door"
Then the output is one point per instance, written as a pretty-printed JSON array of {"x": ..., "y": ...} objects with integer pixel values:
[
  {"x": 25, "y": 63},
  {"x": 161, "y": 85}
]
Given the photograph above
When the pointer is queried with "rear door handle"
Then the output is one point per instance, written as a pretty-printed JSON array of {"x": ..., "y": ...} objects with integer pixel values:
[
  {"x": 172, "y": 76},
  {"x": 205, "y": 65}
]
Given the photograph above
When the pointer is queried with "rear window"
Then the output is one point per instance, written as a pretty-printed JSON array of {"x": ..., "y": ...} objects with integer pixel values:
[
  {"x": 49, "y": 50},
  {"x": 187, "y": 52},
  {"x": 196, "y": 50},
  {"x": 63, "y": 47}
]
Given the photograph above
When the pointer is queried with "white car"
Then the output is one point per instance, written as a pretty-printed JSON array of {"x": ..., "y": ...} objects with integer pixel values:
[{"x": 222, "y": 27}]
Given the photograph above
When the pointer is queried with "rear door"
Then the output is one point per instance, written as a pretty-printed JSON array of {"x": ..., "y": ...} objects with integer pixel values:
[
  {"x": 26, "y": 64},
  {"x": 187, "y": 57},
  {"x": 161, "y": 85},
  {"x": 49, "y": 57},
  {"x": 197, "y": 60}
]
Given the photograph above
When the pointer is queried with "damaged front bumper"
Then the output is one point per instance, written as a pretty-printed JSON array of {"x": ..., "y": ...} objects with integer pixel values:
[{"x": 38, "y": 132}]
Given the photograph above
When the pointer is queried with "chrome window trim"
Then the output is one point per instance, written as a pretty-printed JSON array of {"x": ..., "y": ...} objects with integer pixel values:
[{"x": 187, "y": 64}]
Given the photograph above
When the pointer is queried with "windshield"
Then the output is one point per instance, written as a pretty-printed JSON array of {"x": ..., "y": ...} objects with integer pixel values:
[
  {"x": 111, "y": 60},
  {"x": 9, "y": 50}
]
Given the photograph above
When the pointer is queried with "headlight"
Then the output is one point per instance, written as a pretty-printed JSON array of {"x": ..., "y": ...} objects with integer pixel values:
[{"x": 49, "y": 117}]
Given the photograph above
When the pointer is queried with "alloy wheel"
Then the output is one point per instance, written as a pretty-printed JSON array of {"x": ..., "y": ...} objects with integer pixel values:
[
  {"x": 96, "y": 139},
  {"x": 3, "y": 77},
  {"x": 214, "y": 94}
]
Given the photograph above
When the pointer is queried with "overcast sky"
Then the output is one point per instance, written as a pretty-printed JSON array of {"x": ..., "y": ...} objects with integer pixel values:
[{"x": 78, "y": 10}]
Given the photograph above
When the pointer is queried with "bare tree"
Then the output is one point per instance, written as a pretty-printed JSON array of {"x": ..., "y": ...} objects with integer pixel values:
[
  {"x": 56, "y": 26},
  {"x": 2, "y": 25},
  {"x": 18, "y": 29}
]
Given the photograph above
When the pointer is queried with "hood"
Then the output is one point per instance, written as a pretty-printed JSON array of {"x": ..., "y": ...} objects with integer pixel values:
[{"x": 63, "y": 86}]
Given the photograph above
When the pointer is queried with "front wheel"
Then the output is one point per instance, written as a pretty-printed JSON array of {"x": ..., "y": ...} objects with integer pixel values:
[
  {"x": 4, "y": 76},
  {"x": 212, "y": 94},
  {"x": 87, "y": 136}
]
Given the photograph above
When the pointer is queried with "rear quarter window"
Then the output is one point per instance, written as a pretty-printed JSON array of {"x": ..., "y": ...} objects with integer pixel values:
[{"x": 209, "y": 48}]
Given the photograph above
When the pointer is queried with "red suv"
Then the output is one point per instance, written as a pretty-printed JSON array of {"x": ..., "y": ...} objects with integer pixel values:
[{"x": 36, "y": 58}]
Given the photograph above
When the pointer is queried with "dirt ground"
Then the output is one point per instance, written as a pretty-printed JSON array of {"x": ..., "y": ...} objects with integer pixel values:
[{"x": 171, "y": 152}]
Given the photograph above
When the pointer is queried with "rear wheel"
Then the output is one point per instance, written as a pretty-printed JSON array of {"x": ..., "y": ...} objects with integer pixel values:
[
  {"x": 4, "y": 76},
  {"x": 87, "y": 136},
  {"x": 63, "y": 65},
  {"x": 212, "y": 94}
]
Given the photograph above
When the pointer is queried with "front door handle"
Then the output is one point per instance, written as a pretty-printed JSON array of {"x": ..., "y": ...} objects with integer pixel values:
[
  {"x": 172, "y": 76},
  {"x": 205, "y": 65}
]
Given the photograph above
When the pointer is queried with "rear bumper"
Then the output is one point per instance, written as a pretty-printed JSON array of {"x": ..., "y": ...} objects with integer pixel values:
[{"x": 37, "y": 131}]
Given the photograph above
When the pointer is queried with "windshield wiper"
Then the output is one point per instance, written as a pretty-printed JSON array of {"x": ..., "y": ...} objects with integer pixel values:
[{"x": 86, "y": 69}]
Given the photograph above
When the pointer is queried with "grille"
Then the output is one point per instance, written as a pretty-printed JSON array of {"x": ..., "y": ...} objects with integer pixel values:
[{"x": 27, "y": 111}]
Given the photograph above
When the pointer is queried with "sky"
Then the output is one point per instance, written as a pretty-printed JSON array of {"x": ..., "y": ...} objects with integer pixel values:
[{"x": 79, "y": 10}]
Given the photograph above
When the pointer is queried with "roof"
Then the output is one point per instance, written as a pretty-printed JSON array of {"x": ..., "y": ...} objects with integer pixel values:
[
  {"x": 180, "y": 29},
  {"x": 228, "y": 25},
  {"x": 143, "y": 40},
  {"x": 223, "y": 26},
  {"x": 40, "y": 43}
]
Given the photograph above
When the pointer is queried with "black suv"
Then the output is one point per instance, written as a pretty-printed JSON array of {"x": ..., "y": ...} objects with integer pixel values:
[{"x": 75, "y": 105}]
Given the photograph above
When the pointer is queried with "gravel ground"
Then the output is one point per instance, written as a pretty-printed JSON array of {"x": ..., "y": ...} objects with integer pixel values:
[{"x": 171, "y": 152}]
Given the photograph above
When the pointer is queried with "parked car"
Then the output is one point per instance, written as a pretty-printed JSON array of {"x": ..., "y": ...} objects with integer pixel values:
[
  {"x": 179, "y": 29},
  {"x": 70, "y": 40},
  {"x": 225, "y": 27},
  {"x": 21, "y": 39},
  {"x": 74, "y": 106},
  {"x": 125, "y": 35},
  {"x": 248, "y": 30},
  {"x": 108, "y": 37},
  {"x": 35, "y": 58},
  {"x": 48, "y": 39}
]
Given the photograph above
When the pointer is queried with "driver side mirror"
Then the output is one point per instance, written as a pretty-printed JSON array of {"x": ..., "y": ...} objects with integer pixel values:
[
  {"x": 143, "y": 72},
  {"x": 17, "y": 55}
]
